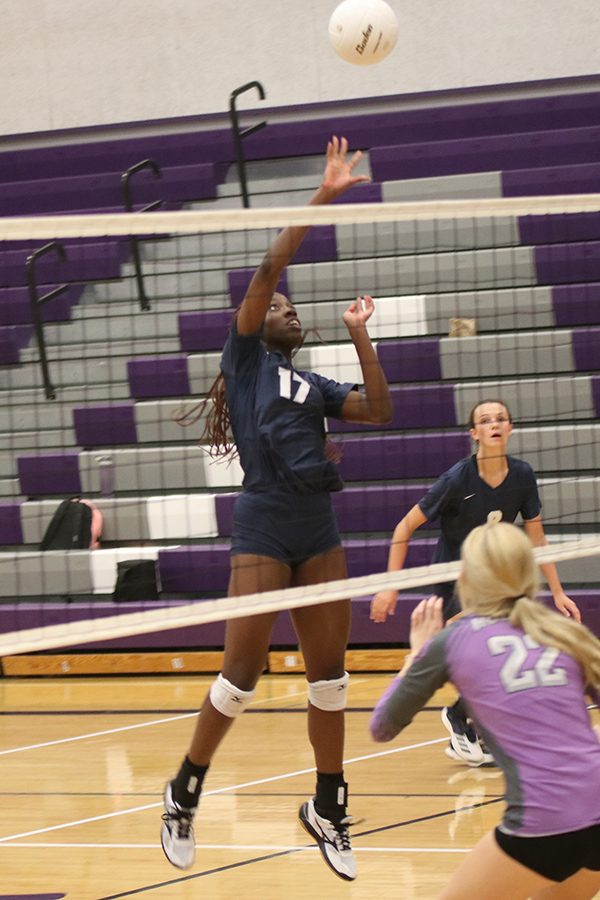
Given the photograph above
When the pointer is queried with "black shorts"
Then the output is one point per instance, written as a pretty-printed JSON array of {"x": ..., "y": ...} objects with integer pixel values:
[
  {"x": 283, "y": 525},
  {"x": 554, "y": 856}
]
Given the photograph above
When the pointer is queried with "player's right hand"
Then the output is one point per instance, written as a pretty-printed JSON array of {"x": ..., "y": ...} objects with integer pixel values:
[{"x": 383, "y": 605}]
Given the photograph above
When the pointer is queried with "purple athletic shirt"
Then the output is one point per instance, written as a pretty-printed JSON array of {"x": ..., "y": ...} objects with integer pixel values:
[{"x": 528, "y": 704}]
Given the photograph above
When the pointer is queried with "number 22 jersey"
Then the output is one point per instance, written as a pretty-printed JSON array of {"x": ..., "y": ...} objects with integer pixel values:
[{"x": 528, "y": 704}]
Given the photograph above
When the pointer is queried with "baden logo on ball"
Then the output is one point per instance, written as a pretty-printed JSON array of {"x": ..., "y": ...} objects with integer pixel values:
[{"x": 363, "y": 32}]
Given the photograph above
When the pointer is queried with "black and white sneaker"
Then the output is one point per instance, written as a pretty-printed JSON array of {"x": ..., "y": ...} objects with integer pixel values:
[
  {"x": 463, "y": 738},
  {"x": 177, "y": 834},
  {"x": 332, "y": 838}
]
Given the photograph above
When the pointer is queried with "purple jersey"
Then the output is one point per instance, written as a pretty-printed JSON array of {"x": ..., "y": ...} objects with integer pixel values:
[{"x": 528, "y": 704}]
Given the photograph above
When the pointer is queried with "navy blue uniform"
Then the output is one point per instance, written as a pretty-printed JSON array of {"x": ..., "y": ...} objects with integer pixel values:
[
  {"x": 462, "y": 500},
  {"x": 277, "y": 419}
]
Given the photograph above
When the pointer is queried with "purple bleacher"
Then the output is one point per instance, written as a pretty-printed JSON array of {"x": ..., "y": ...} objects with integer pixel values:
[
  {"x": 370, "y": 557},
  {"x": 562, "y": 228},
  {"x": 576, "y": 304},
  {"x": 319, "y": 245},
  {"x": 372, "y": 508},
  {"x": 15, "y": 305},
  {"x": 427, "y": 124},
  {"x": 12, "y": 340},
  {"x": 411, "y": 360},
  {"x": 205, "y": 568},
  {"x": 194, "y": 568},
  {"x": 158, "y": 376},
  {"x": 80, "y": 192},
  {"x": 85, "y": 262},
  {"x": 362, "y": 193},
  {"x": 397, "y": 457},
  {"x": 551, "y": 180},
  {"x": 417, "y": 406},
  {"x": 49, "y": 473},
  {"x": 586, "y": 349},
  {"x": 10, "y": 523},
  {"x": 204, "y": 330},
  {"x": 19, "y": 616},
  {"x": 375, "y": 508},
  {"x": 566, "y": 263},
  {"x": 596, "y": 393},
  {"x": 105, "y": 425},
  {"x": 485, "y": 154},
  {"x": 307, "y": 134},
  {"x": 239, "y": 279}
]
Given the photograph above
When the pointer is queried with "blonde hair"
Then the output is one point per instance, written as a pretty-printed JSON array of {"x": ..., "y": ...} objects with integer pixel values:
[{"x": 499, "y": 579}]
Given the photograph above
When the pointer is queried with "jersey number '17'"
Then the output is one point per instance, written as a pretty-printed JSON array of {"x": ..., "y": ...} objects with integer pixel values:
[{"x": 285, "y": 385}]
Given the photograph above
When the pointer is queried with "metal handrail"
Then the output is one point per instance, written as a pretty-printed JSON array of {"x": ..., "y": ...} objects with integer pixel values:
[
  {"x": 239, "y": 135},
  {"x": 36, "y": 302},
  {"x": 133, "y": 241}
]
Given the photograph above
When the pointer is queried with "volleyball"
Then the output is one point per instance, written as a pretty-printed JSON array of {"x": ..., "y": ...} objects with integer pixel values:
[{"x": 363, "y": 32}]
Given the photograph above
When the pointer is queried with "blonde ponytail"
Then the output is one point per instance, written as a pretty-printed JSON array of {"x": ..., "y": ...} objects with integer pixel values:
[
  {"x": 551, "y": 629},
  {"x": 499, "y": 579}
]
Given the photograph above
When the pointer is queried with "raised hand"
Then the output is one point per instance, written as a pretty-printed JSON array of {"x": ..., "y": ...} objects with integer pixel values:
[
  {"x": 359, "y": 312},
  {"x": 425, "y": 621},
  {"x": 338, "y": 176}
]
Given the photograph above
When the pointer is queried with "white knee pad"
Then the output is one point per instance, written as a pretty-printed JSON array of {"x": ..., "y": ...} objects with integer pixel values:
[
  {"x": 329, "y": 695},
  {"x": 227, "y": 699}
]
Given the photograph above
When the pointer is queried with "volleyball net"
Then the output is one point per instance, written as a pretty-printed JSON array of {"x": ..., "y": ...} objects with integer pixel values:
[{"x": 111, "y": 325}]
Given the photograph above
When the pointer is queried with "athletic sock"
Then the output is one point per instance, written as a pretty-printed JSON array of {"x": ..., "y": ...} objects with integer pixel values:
[
  {"x": 331, "y": 796},
  {"x": 460, "y": 709},
  {"x": 187, "y": 785}
]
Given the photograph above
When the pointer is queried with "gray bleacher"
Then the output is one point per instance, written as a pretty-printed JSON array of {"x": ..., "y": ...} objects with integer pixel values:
[{"x": 433, "y": 272}]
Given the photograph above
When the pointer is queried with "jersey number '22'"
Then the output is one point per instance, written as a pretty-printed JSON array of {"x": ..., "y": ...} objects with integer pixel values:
[{"x": 512, "y": 674}]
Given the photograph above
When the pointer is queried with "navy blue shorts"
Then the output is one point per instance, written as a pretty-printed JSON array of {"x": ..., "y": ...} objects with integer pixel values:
[
  {"x": 283, "y": 525},
  {"x": 448, "y": 591}
]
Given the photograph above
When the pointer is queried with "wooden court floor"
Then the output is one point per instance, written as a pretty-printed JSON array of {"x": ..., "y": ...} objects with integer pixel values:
[{"x": 84, "y": 761}]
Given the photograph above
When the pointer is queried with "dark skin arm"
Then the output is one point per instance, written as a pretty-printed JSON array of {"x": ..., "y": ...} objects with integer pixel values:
[{"x": 337, "y": 178}]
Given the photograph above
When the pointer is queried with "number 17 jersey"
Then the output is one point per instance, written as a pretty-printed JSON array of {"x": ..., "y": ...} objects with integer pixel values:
[{"x": 277, "y": 417}]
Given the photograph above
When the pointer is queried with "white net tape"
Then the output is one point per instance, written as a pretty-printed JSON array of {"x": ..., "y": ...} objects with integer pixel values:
[{"x": 194, "y": 221}]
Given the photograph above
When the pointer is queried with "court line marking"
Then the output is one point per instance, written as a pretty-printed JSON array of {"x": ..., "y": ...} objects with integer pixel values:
[
  {"x": 95, "y": 734},
  {"x": 234, "y": 787},
  {"x": 242, "y": 847}
]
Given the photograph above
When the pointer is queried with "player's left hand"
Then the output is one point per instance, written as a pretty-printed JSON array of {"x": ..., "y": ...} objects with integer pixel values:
[
  {"x": 567, "y": 607},
  {"x": 425, "y": 621},
  {"x": 359, "y": 312}
]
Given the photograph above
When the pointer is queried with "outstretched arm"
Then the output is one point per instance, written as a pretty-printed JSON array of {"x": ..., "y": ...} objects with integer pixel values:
[
  {"x": 399, "y": 704},
  {"x": 535, "y": 531},
  {"x": 375, "y": 405},
  {"x": 384, "y": 603},
  {"x": 337, "y": 178}
]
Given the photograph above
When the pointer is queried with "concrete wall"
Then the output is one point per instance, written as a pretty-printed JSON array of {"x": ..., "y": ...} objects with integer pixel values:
[{"x": 71, "y": 63}]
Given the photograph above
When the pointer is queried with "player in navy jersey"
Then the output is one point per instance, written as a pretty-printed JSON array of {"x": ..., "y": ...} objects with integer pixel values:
[
  {"x": 488, "y": 486},
  {"x": 284, "y": 530},
  {"x": 524, "y": 673}
]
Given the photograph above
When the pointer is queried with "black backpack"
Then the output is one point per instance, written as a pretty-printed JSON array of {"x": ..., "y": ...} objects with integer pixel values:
[
  {"x": 137, "y": 579},
  {"x": 70, "y": 527}
]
